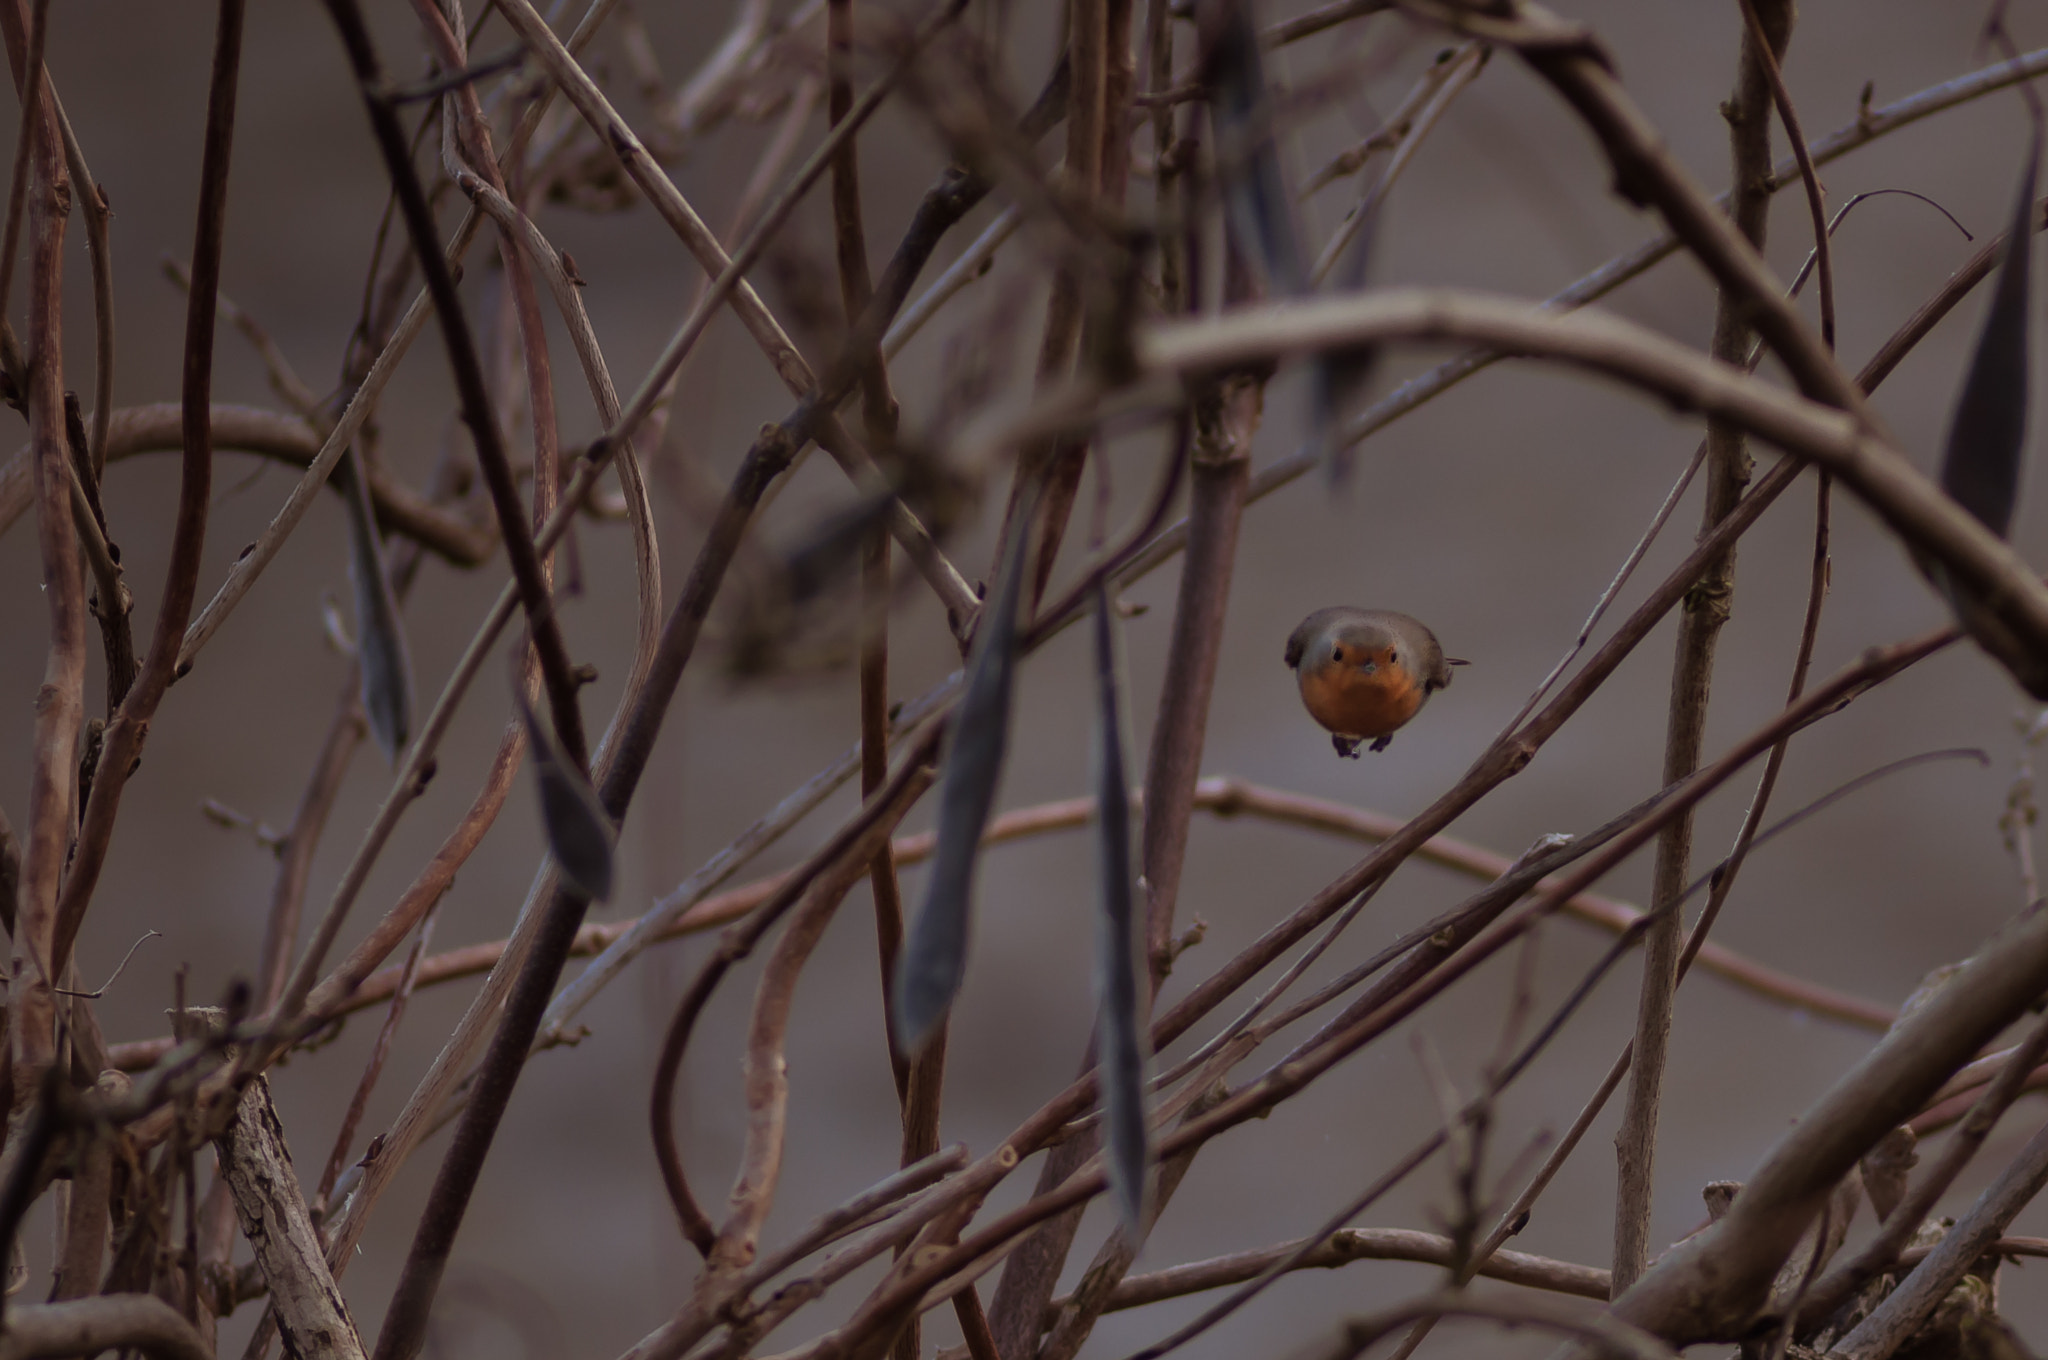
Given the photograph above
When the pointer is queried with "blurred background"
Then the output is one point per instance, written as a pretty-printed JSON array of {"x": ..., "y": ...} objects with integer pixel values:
[{"x": 1497, "y": 515}]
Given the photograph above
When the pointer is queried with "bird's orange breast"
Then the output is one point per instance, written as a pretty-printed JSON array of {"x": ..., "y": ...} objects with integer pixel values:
[{"x": 1354, "y": 703}]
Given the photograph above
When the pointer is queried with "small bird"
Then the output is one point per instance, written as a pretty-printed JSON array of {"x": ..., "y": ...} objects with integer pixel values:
[{"x": 1365, "y": 672}]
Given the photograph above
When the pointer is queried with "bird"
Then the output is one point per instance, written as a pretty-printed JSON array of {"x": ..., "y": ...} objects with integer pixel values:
[{"x": 1365, "y": 672}]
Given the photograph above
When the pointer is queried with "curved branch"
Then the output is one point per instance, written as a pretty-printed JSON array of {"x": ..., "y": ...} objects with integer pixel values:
[
  {"x": 855, "y": 843},
  {"x": 1648, "y": 175},
  {"x": 154, "y": 428},
  {"x": 1916, "y": 510},
  {"x": 1869, "y": 125},
  {"x": 766, "y": 1064},
  {"x": 1341, "y": 1249},
  {"x": 110, "y": 1322}
]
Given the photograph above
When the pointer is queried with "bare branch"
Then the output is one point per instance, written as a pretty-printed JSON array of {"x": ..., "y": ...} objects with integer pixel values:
[
  {"x": 111, "y": 1322},
  {"x": 1355, "y": 1244},
  {"x": 258, "y": 1168}
]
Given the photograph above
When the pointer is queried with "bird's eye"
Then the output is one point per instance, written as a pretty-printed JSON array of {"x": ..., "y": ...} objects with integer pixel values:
[
  {"x": 1336, "y": 654},
  {"x": 1390, "y": 654}
]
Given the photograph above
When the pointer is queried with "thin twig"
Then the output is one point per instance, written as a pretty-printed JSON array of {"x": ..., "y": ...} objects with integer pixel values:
[
  {"x": 973, "y": 263},
  {"x": 1392, "y": 128},
  {"x": 114, "y": 600},
  {"x": 99, "y": 249},
  {"x": 729, "y": 271},
  {"x": 344, "y": 1137},
  {"x": 136, "y": 430},
  {"x": 554, "y": 927},
  {"x": 1810, "y": 180},
  {"x": 765, "y": 1068},
  {"x": 882, "y": 807},
  {"x": 597, "y": 376},
  {"x": 32, "y": 78},
  {"x": 1870, "y": 125},
  {"x": 690, "y": 906},
  {"x": 858, "y": 1211},
  {"x": 477, "y": 414},
  {"x": 1068, "y": 1322},
  {"x": 1343, "y": 1248},
  {"x": 1708, "y": 606},
  {"x": 1450, "y": 80},
  {"x": 1319, "y": 20},
  {"x": 620, "y": 759},
  {"x": 285, "y": 381},
  {"x": 894, "y": 1223},
  {"x": 125, "y": 734},
  {"x": 771, "y": 169}
]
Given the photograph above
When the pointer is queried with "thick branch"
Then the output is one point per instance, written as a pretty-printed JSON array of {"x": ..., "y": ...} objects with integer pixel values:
[
  {"x": 258, "y": 1168},
  {"x": 111, "y": 1322},
  {"x": 60, "y": 701},
  {"x": 1711, "y": 1285}
]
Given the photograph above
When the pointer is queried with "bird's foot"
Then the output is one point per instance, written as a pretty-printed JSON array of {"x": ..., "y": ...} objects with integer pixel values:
[
  {"x": 1346, "y": 746},
  {"x": 1383, "y": 743}
]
